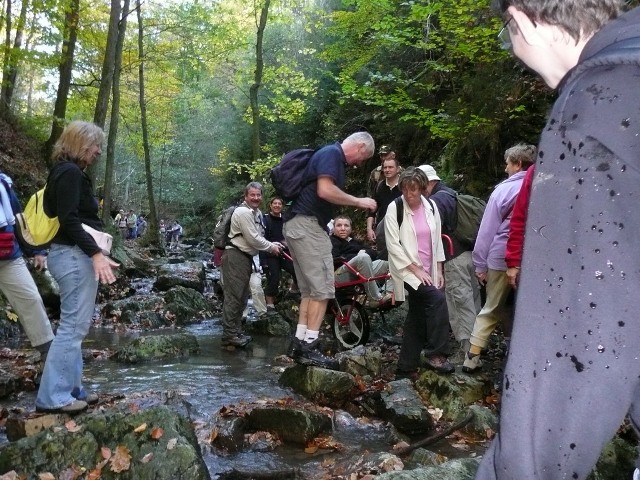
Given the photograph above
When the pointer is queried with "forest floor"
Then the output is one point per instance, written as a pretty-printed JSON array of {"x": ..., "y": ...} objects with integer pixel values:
[{"x": 22, "y": 159}]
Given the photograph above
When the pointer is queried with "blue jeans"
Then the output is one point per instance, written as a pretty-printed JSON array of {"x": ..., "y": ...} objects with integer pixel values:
[{"x": 61, "y": 380}]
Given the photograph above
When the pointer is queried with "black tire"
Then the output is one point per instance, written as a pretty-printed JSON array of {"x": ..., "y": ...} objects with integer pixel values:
[{"x": 356, "y": 331}]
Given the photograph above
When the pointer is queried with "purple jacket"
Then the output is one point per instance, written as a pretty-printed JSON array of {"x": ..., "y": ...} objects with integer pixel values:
[{"x": 488, "y": 253}]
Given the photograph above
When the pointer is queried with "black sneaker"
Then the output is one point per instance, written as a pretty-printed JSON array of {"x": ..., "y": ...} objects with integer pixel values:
[
  {"x": 293, "y": 351},
  {"x": 310, "y": 355},
  {"x": 239, "y": 341}
]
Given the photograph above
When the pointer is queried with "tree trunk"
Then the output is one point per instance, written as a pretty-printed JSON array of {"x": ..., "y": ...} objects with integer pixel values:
[
  {"x": 72, "y": 17},
  {"x": 6, "y": 59},
  {"x": 11, "y": 67},
  {"x": 115, "y": 71},
  {"x": 253, "y": 91},
  {"x": 108, "y": 69},
  {"x": 152, "y": 236}
]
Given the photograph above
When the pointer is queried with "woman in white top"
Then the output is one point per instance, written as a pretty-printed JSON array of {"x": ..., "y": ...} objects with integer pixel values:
[{"x": 416, "y": 258}]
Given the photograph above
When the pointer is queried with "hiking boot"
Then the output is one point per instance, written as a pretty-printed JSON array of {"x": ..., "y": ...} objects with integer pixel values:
[
  {"x": 76, "y": 406},
  {"x": 309, "y": 354},
  {"x": 293, "y": 351},
  {"x": 239, "y": 341},
  {"x": 438, "y": 363},
  {"x": 472, "y": 363},
  {"x": 89, "y": 397},
  {"x": 385, "y": 299}
]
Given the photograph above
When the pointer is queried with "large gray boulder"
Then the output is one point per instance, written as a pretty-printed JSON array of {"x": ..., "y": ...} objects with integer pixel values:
[
  {"x": 270, "y": 323},
  {"x": 402, "y": 406},
  {"x": 158, "y": 347},
  {"x": 326, "y": 387},
  {"x": 187, "y": 274},
  {"x": 156, "y": 443},
  {"x": 295, "y": 425},
  {"x": 452, "y": 393},
  {"x": 460, "y": 469},
  {"x": 186, "y": 305},
  {"x": 140, "y": 311}
]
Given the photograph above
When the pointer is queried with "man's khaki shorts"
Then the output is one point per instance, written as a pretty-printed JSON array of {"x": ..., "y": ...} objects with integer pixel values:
[{"x": 310, "y": 247}]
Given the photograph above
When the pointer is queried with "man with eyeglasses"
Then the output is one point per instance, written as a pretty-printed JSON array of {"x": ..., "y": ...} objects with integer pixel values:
[{"x": 573, "y": 372}]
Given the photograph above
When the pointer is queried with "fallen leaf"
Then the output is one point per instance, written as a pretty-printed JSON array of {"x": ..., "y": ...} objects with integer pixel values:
[
  {"x": 94, "y": 474},
  {"x": 171, "y": 444},
  {"x": 157, "y": 433},
  {"x": 72, "y": 473},
  {"x": 214, "y": 435},
  {"x": 12, "y": 475},
  {"x": 72, "y": 426},
  {"x": 121, "y": 459},
  {"x": 12, "y": 316},
  {"x": 41, "y": 476},
  {"x": 311, "y": 449},
  {"x": 105, "y": 452},
  {"x": 140, "y": 428},
  {"x": 147, "y": 458}
]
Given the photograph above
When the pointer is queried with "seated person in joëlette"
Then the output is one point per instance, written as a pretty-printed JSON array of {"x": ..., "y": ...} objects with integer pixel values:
[{"x": 360, "y": 257}]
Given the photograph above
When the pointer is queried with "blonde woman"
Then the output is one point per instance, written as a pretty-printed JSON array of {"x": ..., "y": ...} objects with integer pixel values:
[{"x": 77, "y": 264}]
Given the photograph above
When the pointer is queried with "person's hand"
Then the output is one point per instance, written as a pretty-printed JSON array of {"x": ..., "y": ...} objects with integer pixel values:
[
  {"x": 371, "y": 235},
  {"x": 276, "y": 248},
  {"x": 367, "y": 203},
  {"x": 103, "y": 267},
  {"x": 40, "y": 262},
  {"x": 513, "y": 274},
  {"x": 482, "y": 277},
  {"x": 422, "y": 275}
]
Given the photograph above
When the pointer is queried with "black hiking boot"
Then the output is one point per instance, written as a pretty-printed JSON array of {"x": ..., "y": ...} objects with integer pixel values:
[
  {"x": 310, "y": 355},
  {"x": 293, "y": 351}
]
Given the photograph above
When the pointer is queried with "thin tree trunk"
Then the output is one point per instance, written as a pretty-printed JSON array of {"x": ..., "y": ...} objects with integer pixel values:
[
  {"x": 253, "y": 91},
  {"x": 106, "y": 78},
  {"x": 7, "y": 56},
  {"x": 115, "y": 71},
  {"x": 72, "y": 17},
  {"x": 152, "y": 235},
  {"x": 11, "y": 66}
]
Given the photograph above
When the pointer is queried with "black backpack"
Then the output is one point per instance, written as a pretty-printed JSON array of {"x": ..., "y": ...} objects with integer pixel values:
[{"x": 289, "y": 176}]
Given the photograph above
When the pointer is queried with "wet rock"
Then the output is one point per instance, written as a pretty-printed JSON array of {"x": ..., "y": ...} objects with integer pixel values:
[
  {"x": 388, "y": 325},
  {"x": 294, "y": 425},
  {"x": 137, "y": 311},
  {"x": 421, "y": 457},
  {"x": 369, "y": 464},
  {"x": 403, "y": 407},
  {"x": 169, "y": 453},
  {"x": 230, "y": 433},
  {"x": 158, "y": 347},
  {"x": 20, "y": 426},
  {"x": 48, "y": 288},
  {"x": 187, "y": 304},
  {"x": 19, "y": 370},
  {"x": 270, "y": 323},
  {"x": 364, "y": 360},
  {"x": 175, "y": 258},
  {"x": 138, "y": 264},
  {"x": 187, "y": 274},
  {"x": 484, "y": 421},
  {"x": 460, "y": 469},
  {"x": 452, "y": 393},
  {"x": 326, "y": 387}
]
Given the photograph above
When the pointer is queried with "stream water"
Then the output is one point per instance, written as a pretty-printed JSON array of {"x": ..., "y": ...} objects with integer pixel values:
[{"x": 217, "y": 377}]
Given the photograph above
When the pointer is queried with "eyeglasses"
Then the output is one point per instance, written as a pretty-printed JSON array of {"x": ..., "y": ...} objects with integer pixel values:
[{"x": 504, "y": 37}]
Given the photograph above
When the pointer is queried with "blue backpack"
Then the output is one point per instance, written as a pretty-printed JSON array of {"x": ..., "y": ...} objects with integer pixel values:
[{"x": 290, "y": 175}]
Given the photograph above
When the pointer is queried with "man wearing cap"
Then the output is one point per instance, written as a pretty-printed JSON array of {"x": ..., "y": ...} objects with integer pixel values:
[
  {"x": 385, "y": 192},
  {"x": 384, "y": 152},
  {"x": 461, "y": 287}
]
